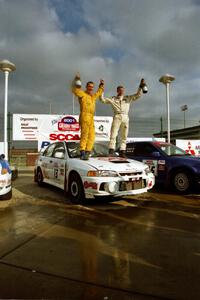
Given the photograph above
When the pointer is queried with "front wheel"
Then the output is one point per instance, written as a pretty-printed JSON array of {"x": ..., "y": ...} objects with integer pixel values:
[
  {"x": 40, "y": 177},
  {"x": 7, "y": 196},
  {"x": 182, "y": 181},
  {"x": 76, "y": 189}
]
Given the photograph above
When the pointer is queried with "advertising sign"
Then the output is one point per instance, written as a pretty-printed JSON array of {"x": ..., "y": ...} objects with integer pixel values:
[
  {"x": 190, "y": 146},
  {"x": 49, "y": 128},
  {"x": 1, "y": 148},
  {"x": 147, "y": 139}
]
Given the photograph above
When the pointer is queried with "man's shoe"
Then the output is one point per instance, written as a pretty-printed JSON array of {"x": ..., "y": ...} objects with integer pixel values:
[
  {"x": 82, "y": 156},
  {"x": 87, "y": 154},
  {"x": 122, "y": 153},
  {"x": 111, "y": 152}
]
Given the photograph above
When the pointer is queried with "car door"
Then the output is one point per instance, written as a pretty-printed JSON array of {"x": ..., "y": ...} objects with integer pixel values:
[
  {"x": 58, "y": 165},
  {"x": 46, "y": 162},
  {"x": 145, "y": 152}
]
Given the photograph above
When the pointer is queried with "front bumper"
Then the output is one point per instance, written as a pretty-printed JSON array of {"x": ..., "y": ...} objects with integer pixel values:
[
  {"x": 117, "y": 186},
  {"x": 5, "y": 184}
]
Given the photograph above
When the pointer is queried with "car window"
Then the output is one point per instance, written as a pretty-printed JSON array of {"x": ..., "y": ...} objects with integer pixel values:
[
  {"x": 139, "y": 149},
  {"x": 49, "y": 150},
  {"x": 172, "y": 150},
  {"x": 99, "y": 150},
  {"x": 59, "y": 151}
]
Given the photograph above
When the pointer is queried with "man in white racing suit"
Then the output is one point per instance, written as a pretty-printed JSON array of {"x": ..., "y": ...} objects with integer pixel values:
[{"x": 121, "y": 105}]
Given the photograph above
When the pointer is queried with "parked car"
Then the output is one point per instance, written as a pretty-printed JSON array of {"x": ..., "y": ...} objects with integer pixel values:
[
  {"x": 5, "y": 179},
  {"x": 172, "y": 166},
  {"x": 101, "y": 175}
]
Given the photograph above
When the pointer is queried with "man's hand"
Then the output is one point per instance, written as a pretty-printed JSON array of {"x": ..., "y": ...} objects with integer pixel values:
[
  {"x": 142, "y": 83},
  {"x": 77, "y": 80},
  {"x": 101, "y": 84}
]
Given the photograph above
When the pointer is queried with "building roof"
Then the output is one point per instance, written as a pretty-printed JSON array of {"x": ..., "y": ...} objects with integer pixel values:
[{"x": 192, "y": 133}]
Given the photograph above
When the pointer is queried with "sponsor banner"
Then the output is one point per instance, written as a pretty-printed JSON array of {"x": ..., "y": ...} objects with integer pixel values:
[
  {"x": 190, "y": 146},
  {"x": 147, "y": 139},
  {"x": 49, "y": 128},
  {"x": 25, "y": 127},
  {"x": 1, "y": 148}
]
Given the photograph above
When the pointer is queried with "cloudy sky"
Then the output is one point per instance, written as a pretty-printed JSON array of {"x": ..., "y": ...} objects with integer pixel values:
[{"x": 120, "y": 41}]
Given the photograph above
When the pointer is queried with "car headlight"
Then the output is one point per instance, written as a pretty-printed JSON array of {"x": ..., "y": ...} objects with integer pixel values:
[
  {"x": 4, "y": 171},
  {"x": 147, "y": 170},
  {"x": 102, "y": 173}
]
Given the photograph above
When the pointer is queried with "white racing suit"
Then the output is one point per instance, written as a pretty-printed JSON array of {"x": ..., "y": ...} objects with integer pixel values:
[{"x": 120, "y": 106}]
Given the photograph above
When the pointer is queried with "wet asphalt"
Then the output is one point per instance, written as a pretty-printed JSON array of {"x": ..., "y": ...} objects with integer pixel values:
[{"x": 143, "y": 247}]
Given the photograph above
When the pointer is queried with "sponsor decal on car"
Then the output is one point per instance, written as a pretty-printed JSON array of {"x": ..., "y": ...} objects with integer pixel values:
[{"x": 153, "y": 165}]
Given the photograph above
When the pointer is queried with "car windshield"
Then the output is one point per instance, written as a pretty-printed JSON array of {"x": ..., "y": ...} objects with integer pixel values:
[
  {"x": 99, "y": 150},
  {"x": 172, "y": 150}
]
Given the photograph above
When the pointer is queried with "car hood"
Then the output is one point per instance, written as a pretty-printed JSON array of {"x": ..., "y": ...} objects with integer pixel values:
[{"x": 116, "y": 164}]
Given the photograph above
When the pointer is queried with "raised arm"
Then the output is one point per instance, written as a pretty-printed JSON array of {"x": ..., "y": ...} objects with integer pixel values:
[
  {"x": 135, "y": 96},
  {"x": 76, "y": 86},
  {"x": 100, "y": 90},
  {"x": 138, "y": 94},
  {"x": 105, "y": 100}
]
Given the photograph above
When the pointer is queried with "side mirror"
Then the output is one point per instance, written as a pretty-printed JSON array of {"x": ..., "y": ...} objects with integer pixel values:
[{"x": 156, "y": 154}]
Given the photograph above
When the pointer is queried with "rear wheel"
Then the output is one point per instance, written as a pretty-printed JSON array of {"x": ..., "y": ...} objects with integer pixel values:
[
  {"x": 182, "y": 181},
  {"x": 40, "y": 178},
  {"x": 76, "y": 189}
]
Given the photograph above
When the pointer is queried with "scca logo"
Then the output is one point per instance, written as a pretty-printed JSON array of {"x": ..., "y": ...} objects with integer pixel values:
[
  {"x": 68, "y": 123},
  {"x": 63, "y": 137}
]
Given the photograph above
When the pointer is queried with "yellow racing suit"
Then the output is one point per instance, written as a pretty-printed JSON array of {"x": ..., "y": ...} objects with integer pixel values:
[{"x": 86, "y": 118}]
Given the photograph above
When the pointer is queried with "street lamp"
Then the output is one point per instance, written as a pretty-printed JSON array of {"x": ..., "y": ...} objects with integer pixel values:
[
  {"x": 6, "y": 66},
  {"x": 184, "y": 108},
  {"x": 166, "y": 80}
]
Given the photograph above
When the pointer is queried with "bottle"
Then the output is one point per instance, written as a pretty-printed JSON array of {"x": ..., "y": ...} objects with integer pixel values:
[
  {"x": 78, "y": 83},
  {"x": 143, "y": 86}
]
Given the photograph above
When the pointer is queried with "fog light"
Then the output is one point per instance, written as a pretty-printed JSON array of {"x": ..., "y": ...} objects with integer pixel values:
[{"x": 112, "y": 187}]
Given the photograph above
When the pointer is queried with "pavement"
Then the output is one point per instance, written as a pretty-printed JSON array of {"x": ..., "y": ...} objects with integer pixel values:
[{"x": 143, "y": 247}]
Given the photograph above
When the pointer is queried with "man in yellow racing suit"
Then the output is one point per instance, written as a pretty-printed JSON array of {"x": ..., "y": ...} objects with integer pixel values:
[{"x": 87, "y": 102}]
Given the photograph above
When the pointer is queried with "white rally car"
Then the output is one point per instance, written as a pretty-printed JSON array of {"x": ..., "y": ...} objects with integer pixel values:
[
  {"x": 5, "y": 180},
  {"x": 101, "y": 175}
]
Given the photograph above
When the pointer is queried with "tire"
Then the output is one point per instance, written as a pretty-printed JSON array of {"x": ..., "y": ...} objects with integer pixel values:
[
  {"x": 76, "y": 190},
  {"x": 182, "y": 181},
  {"x": 40, "y": 178},
  {"x": 7, "y": 196}
]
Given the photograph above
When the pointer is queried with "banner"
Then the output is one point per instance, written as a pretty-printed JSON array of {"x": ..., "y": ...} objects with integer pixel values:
[
  {"x": 190, "y": 146},
  {"x": 1, "y": 148},
  {"x": 49, "y": 128},
  {"x": 147, "y": 139}
]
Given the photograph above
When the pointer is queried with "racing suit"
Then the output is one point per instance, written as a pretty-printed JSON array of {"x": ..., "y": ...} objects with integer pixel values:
[
  {"x": 120, "y": 106},
  {"x": 86, "y": 118}
]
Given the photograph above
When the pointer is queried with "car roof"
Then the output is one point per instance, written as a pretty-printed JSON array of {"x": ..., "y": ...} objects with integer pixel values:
[{"x": 151, "y": 142}]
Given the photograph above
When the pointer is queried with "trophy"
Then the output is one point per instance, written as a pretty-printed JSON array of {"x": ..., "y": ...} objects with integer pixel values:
[{"x": 143, "y": 86}]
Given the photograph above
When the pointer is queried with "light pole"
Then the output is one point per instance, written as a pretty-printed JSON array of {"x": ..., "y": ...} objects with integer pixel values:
[
  {"x": 6, "y": 66},
  {"x": 184, "y": 108},
  {"x": 166, "y": 80}
]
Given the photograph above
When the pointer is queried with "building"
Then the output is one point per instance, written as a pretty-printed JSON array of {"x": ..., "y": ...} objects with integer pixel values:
[{"x": 189, "y": 133}]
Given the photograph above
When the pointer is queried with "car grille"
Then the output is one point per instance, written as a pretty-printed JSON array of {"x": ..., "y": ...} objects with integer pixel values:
[{"x": 130, "y": 173}]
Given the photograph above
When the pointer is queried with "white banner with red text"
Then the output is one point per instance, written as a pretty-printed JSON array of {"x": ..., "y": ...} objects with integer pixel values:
[
  {"x": 49, "y": 128},
  {"x": 190, "y": 146}
]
